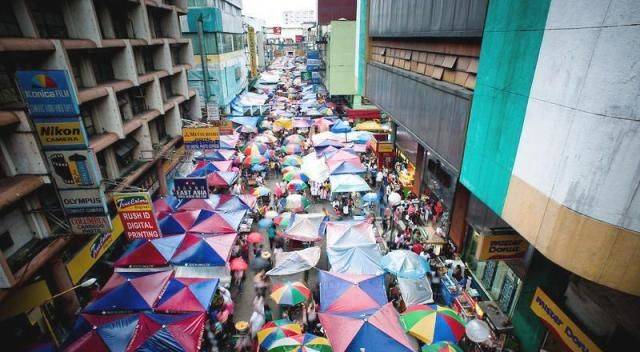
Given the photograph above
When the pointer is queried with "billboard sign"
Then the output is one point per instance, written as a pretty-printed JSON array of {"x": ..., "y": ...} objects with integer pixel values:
[
  {"x": 48, "y": 93},
  {"x": 277, "y": 30},
  {"x": 305, "y": 76},
  {"x": 191, "y": 188},
  {"x": 501, "y": 247},
  {"x": 253, "y": 56},
  {"x": 213, "y": 111},
  {"x": 61, "y": 133},
  {"x": 135, "y": 210},
  {"x": 197, "y": 138},
  {"x": 72, "y": 169}
]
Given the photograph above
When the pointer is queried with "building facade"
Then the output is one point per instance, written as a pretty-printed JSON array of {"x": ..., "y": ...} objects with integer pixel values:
[
  {"x": 128, "y": 66},
  {"x": 298, "y": 17},
  {"x": 222, "y": 47}
]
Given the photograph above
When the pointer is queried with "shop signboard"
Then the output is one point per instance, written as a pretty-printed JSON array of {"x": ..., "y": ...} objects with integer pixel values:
[
  {"x": 86, "y": 210},
  {"x": 226, "y": 128},
  {"x": 277, "y": 30},
  {"x": 48, "y": 93},
  {"x": 61, "y": 133},
  {"x": 213, "y": 111},
  {"x": 299, "y": 38},
  {"x": 305, "y": 76},
  {"x": 554, "y": 318},
  {"x": 500, "y": 247},
  {"x": 198, "y": 138},
  {"x": 73, "y": 169},
  {"x": 191, "y": 188},
  {"x": 251, "y": 42},
  {"x": 136, "y": 213}
]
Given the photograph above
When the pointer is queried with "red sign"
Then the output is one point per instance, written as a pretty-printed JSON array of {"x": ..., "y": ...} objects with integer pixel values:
[
  {"x": 277, "y": 30},
  {"x": 139, "y": 224},
  {"x": 299, "y": 38}
]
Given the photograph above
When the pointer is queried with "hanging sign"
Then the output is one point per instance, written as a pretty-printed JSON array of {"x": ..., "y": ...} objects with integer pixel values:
[
  {"x": 553, "y": 317},
  {"x": 305, "y": 76},
  {"x": 501, "y": 247},
  {"x": 86, "y": 210},
  {"x": 74, "y": 169},
  {"x": 61, "y": 133},
  {"x": 197, "y": 138},
  {"x": 136, "y": 213},
  {"x": 213, "y": 111},
  {"x": 191, "y": 188},
  {"x": 48, "y": 93}
]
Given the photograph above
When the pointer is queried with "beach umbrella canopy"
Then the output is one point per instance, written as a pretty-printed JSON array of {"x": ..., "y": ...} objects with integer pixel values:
[
  {"x": 294, "y": 175},
  {"x": 265, "y": 138},
  {"x": 433, "y": 323},
  {"x": 277, "y": 329},
  {"x": 220, "y": 222},
  {"x": 348, "y": 183},
  {"x": 99, "y": 332},
  {"x": 292, "y": 160},
  {"x": 255, "y": 149},
  {"x": 253, "y": 160},
  {"x": 129, "y": 292},
  {"x": 255, "y": 237},
  {"x": 290, "y": 293},
  {"x": 183, "y": 295},
  {"x": 204, "y": 250},
  {"x": 315, "y": 168},
  {"x": 222, "y": 178},
  {"x": 283, "y": 220},
  {"x": 197, "y": 204},
  {"x": 289, "y": 263},
  {"x": 264, "y": 223},
  {"x": 149, "y": 253},
  {"x": 165, "y": 206},
  {"x": 302, "y": 123},
  {"x": 183, "y": 221},
  {"x": 346, "y": 167},
  {"x": 296, "y": 186},
  {"x": 293, "y": 139},
  {"x": 258, "y": 167},
  {"x": 296, "y": 203},
  {"x": 219, "y": 155},
  {"x": 261, "y": 191},
  {"x": 323, "y": 124},
  {"x": 352, "y": 248},
  {"x": 238, "y": 264},
  {"x": 343, "y": 155},
  {"x": 406, "y": 264},
  {"x": 341, "y": 127},
  {"x": 292, "y": 148},
  {"x": 301, "y": 343},
  {"x": 168, "y": 332},
  {"x": 443, "y": 346},
  {"x": 371, "y": 330},
  {"x": 343, "y": 292}
]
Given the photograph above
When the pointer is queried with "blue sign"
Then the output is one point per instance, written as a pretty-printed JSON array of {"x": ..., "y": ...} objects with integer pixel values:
[
  {"x": 190, "y": 188},
  {"x": 48, "y": 93},
  {"x": 201, "y": 145}
]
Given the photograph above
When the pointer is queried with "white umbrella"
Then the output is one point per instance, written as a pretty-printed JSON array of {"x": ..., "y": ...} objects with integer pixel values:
[
  {"x": 271, "y": 214},
  {"x": 394, "y": 198}
]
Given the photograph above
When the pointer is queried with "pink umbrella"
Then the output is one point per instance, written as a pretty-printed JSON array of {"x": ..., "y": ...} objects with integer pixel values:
[
  {"x": 238, "y": 264},
  {"x": 254, "y": 237}
]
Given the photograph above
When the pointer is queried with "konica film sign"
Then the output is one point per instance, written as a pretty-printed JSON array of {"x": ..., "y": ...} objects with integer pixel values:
[{"x": 48, "y": 93}]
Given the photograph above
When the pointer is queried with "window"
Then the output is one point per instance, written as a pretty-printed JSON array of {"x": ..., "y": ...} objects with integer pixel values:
[
  {"x": 8, "y": 24},
  {"x": 161, "y": 128},
  {"x": 102, "y": 68},
  {"x": 175, "y": 55},
  {"x": 102, "y": 163},
  {"x": 122, "y": 26},
  {"x": 123, "y": 105},
  {"x": 166, "y": 90},
  {"x": 6, "y": 241},
  {"x": 138, "y": 103},
  {"x": 147, "y": 58},
  {"x": 124, "y": 152},
  {"x": 9, "y": 94},
  {"x": 76, "y": 68},
  {"x": 87, "y": 120},
  {"x": 48, "y": 18}
]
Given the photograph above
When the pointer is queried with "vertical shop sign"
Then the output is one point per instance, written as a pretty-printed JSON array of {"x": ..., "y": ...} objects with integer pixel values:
[
  {"x": 191, "y": 188},
  {"x": 251, "y": 41},
  {"x": 136, "y": 213}
]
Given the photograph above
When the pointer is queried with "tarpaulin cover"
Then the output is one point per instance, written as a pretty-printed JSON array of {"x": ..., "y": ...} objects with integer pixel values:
[
  {"x": 315, "y": 168},
  {"x": 341, "y": 292},
  {"x": 373, "y": 330},
  {"x": 204, "y": 250},
  {"x": 348, "y": 183},
  {"x": 222, "y": 178},
  {"x": 288, "y": 263},
  {"x": 346, "y": 167},
  {"x": 406, "y": 264},
  {"x": 415, "y": 291},
  {"x": 101, "y": 332},
  {"x": 245, "y": 120},
  {"x": 129, "y": 292},
  {"x": 149, "y": 253},
  {"x": 341, "y": 127},
  {"x": 306, "y": 227},
  {"x": 168, "y": 332},
  {"x": 343, "y": 155},
  {"x": 184, "y": 221},
  {"x": 352, "y": 248},
  {"x": 183, "y": 295}
]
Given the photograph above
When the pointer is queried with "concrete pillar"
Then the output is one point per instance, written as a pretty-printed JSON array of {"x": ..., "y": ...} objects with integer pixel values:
[
  {"x": 417, "y": 177},
  {"x": 458, "y": 228},
  {"x": 59, "y": 281},
  {"x": 163, "y": 189}
]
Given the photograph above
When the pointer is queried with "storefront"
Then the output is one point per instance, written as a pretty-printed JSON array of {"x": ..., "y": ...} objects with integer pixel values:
[{"x": 407, "y": 149}]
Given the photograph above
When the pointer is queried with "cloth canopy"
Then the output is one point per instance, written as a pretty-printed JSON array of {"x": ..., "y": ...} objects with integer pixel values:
[
  {"x": 315, "y": 168},
  {"x": 181, "y": 222},
  {"x": 204, "y": 250},
  {"x": 289, "y": 263},
  {"x": 406, "y": 264},
  {"x": 306, "y": 227},
  {"x": 197, "y": 204},
  {"x": 371, "y": 330},
  {"x": 98, "y": 332},
  {"x": 350, "y": 292},
  {"x": 219, "y": 223},
  {"x": 352, "y": 248},
  {"x": 348, "y": 183},
  {"x": 346, "y": 168},
  {"x": 165, "y": 206},
  {"x": 343, "y": 155},
  {"x": 183, "y": 295},
  {"x": 416, "y": 291},
  {"x": 129, "y": 292},
  {"x": 168, "y": 332},
  {"x": 222, "y": 178},
  {"x": 149, "y": 253},
  {"x": 341, "y": 127}
]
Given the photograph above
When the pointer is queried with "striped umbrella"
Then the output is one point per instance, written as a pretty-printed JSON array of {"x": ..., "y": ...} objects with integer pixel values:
[
  {"x": 296, "y": 186},
  {"x": 301, "y": 343},
  {"x": 277, "y": 329},
  {"x": 442, "y": 347},
  {"x": 290, "y": 293},
  {"x": 294, "y": 138},
  {"x": 291, "y": 149},
  {"x": 433, "y": 323},
  {"x": 254, "y": 159},
  {"x": 255, "y": 149},
  {"x": 294, "y": 175}
]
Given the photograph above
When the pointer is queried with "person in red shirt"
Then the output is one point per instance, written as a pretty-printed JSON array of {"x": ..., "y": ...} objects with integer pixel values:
[{"x": 417, "y": 248}]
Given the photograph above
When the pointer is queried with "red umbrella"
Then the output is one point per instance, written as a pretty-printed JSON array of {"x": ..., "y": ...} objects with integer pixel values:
[
  {"x": 254, "y": 237},
  {"x": 238, "y": 264}
]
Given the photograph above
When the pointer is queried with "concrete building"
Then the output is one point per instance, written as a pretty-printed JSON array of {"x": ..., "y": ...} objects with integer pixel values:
[
  {"x": 224, "y": 45},
  {"x": 128, "y": 64},
  {"x": 340, "y": 59}
]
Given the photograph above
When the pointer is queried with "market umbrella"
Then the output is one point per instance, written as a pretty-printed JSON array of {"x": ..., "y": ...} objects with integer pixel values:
[
  {"x": 296, "y": 203},
  {"x": 255, "y": 149},
  {"x": 129, "y": 292},
  {"x": 406, "y": 264},
  {"x": 149, "y": 253},
  {"x": 394, "y": 198},
  {"x": 283, "y": 123},
  {"x": 306, "y": 227},
  {"x": 301, "y": 343},
  {"x": 238, "y": 264},
  {"x": 168, "y": 332},
  {"x": 297, "y": 186},
  {"x": 292, "y": 160},
  {"x": 264, "y": 223},
  {"x": 288, "y": 169},
  {"x": 98, "y": 332},
  {"x": 433, "y": 323},
  {"x": 283, "y": 220},
  {"x": 204, "y": 250},
  {"x": 294, "y": 175},
  {"x": 323, "y": 124},
  {"x": 443, "y": 346},
  {"x": 293, "y": 139},
  {"x": 341, "y": 127},
  {"x": 302, "y": 123},
  {"x": 222, "y": 178},
  {"x": 344, "y": 292},
  {"x": 277, "y": 329},
  {"x": 183, "y": 295},
  {"x": 261, "y": 191},
  {"x": 271, "y": 214},
  {"x": 290, "y": 293},
  {"x": 292, "y": 148},
  {"x": 258, "y": 167},
  {"x": 348, "y": 183},
  {"x": 255, "y": 237},
  {"x": 370, "y": 330},
  {"x": 370, "y": 198},
  {"x": 165, "y": 206},
  {"x": 254, "y": 159}
]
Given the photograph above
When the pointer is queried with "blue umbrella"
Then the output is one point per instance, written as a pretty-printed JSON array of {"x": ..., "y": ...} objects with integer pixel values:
[
  {"x": 405, "y": 264},
  {"x": 370, "y": 198},
  {"x": 341, "y": 127},
  {"x": 264, "y": 223},
  {"x": 258, "y": 167}
]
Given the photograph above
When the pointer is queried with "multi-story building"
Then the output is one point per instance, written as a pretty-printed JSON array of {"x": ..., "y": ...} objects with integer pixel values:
[
  {"x": 298, "y": 17},
  {"x": 128, "y": 66},
  {"x": 219, "y": 24}
]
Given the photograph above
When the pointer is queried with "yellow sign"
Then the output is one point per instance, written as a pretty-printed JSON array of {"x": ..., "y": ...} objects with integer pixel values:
[
  {"x": 24, "y": 299},
  {"x": 61, "y": 132},
  {"x": 195, "y": 134},
  {"x": 501, "y": 247},
  {"x": 251, "y": 41},
  {"x": 78, "y": 266},
  {"x": 132, "y": 201},
  {"x": 572, "y": 336},
  {"x": 385, "y": 147}
]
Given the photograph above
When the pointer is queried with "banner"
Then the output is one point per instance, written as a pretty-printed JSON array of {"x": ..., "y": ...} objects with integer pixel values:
[
  {"x": 136, "y": 213},
  {"x": 86, "y": 210},
  {"x": 48, "y": 93},
  {"x": 385, "y": 147},
  {"x": 226, "y": 128},
  {"x": 213, "y": 111},
  {"x": 61, "y": 133},
  {"x": 554, "y": 318},
  {"x": 501, "y": 247},
  {"x": 197, "y": 138},
  {"x": 253, "y": 58},
  {"x": 190, "y": 188}
]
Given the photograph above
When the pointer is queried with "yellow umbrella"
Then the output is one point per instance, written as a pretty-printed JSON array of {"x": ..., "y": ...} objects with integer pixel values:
[
  {"x": 371, "y": 126},
  {"x": 284, "y": 123}
]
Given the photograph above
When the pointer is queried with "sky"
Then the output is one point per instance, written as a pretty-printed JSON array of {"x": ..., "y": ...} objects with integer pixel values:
[{"x": 271, "y": 10}]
